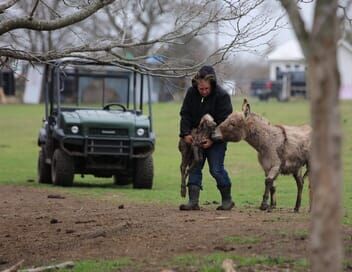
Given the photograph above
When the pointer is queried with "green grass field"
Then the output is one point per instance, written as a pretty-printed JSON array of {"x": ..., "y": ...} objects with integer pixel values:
[{"x": 19, "y": 126}]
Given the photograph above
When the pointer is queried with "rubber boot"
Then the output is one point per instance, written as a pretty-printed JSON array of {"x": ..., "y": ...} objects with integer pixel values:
[
  {"x": 193, "y": 192},
  {"x": 226, "y": 200}
]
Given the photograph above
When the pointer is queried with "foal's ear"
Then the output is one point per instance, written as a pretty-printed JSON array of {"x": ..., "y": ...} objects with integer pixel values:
[
  {"x": 207, "y": 120},
  {"x": 246, "y": 108}
]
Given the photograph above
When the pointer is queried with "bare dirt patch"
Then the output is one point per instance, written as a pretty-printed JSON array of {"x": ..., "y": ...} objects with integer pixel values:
[{"x": 44, "y": 230}]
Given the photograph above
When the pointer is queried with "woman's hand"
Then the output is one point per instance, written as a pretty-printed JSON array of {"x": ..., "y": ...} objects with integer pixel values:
[
  {"x": 188, "y": 139},
  {"x": 208, "y": 143}
]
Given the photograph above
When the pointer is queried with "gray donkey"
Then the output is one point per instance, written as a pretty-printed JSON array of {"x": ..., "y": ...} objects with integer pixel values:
[{"x": 281, "y": 149}]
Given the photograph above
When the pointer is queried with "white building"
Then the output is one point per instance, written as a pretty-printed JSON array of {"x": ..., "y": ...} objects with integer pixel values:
[{"x": 289, "y": 57}]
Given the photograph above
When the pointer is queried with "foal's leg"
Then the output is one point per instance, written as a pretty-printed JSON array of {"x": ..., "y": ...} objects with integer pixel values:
[
  {"x": 299, "y": 181},
  {"x": 186, "y": 159}
]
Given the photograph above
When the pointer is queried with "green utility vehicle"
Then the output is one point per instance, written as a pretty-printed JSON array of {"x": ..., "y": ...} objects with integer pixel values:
[{"x": 94, "y": 124}]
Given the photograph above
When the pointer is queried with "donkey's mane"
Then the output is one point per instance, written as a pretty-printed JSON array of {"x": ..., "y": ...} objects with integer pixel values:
[{"x": 260, "y": 118}]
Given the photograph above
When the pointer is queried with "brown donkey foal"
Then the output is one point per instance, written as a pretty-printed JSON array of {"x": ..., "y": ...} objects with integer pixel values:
[
  {"x": 192, "y": 154},
  {"x": 281, "y": 149}
]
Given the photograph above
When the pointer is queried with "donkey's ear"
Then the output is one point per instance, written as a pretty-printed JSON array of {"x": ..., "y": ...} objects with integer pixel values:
[
  {"x": 246, "y": 108},
  {"x": 245, "y": 102}
]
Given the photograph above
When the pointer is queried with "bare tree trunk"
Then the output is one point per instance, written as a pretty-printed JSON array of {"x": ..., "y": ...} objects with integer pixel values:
[
  {"x": 325, "y": 162},
  {"x": 320, "y": 49},
  {"x": 326, "y": 176}
]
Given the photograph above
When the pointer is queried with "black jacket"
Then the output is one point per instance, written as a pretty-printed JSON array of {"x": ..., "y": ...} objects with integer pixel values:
[{"x": 217, "y": 104}]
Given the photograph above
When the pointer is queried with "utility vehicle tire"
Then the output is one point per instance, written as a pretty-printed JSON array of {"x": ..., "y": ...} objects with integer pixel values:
[
  {"x": 122, "y": 180},
  {"x": 62, "y": 168},
  {"x": 143, "y": 173},
  {"x": 44, "y": 169}
]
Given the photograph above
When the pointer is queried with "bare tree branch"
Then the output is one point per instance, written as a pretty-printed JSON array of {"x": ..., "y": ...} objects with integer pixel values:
[
  {"x": 117, "y": 27},
  {"x": 45, "y": 25},
  {"x": 142, "y": 33},
  {"x": 109, "y": 45},
  {"x": 345, "y": 9},
  {"x": 297, "y": 22},
  {"x": 33, "y": 10},
  {"x": 6, "y": 5}
]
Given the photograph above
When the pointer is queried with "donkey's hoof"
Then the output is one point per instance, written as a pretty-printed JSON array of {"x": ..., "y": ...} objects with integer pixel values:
[
  {"x": 296, "y": 210},
  {"x": 264, "y": 206}
]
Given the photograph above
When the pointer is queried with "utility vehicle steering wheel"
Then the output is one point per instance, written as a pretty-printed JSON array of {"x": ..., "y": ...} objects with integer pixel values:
[{"x": 107, "y": 106}]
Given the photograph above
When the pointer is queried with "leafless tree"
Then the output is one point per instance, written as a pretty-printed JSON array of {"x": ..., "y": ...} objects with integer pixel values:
[
  {"x": 319, "y": 45},
  {"x": 28, "y": 26},
  {"x": 39, "y": 41},
  {"x": 155, "y": 26},
  {"x": 243, "y": 70}
]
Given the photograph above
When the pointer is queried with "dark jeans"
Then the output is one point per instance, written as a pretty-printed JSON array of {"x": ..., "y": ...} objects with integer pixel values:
[{"x": 215, "y": 156}]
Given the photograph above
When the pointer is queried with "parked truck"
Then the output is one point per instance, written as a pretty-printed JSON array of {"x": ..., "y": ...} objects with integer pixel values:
[{"x": 288, "y": 84}]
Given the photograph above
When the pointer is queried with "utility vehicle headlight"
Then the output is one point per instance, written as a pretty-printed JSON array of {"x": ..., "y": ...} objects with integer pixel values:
[
  {"x": 140, "y": 131},
  {"x": 74, "y": 129}
]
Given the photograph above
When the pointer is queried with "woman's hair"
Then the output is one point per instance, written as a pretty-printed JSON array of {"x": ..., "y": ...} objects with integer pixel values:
[{"x": 206, "y": 73}]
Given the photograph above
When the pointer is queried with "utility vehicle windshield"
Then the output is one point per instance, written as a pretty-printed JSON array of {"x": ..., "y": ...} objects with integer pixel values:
[{"x": 94, "y": 88}]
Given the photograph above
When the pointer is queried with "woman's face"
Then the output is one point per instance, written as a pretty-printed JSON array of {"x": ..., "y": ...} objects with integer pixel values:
[{"x": 204, "y": 87}]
